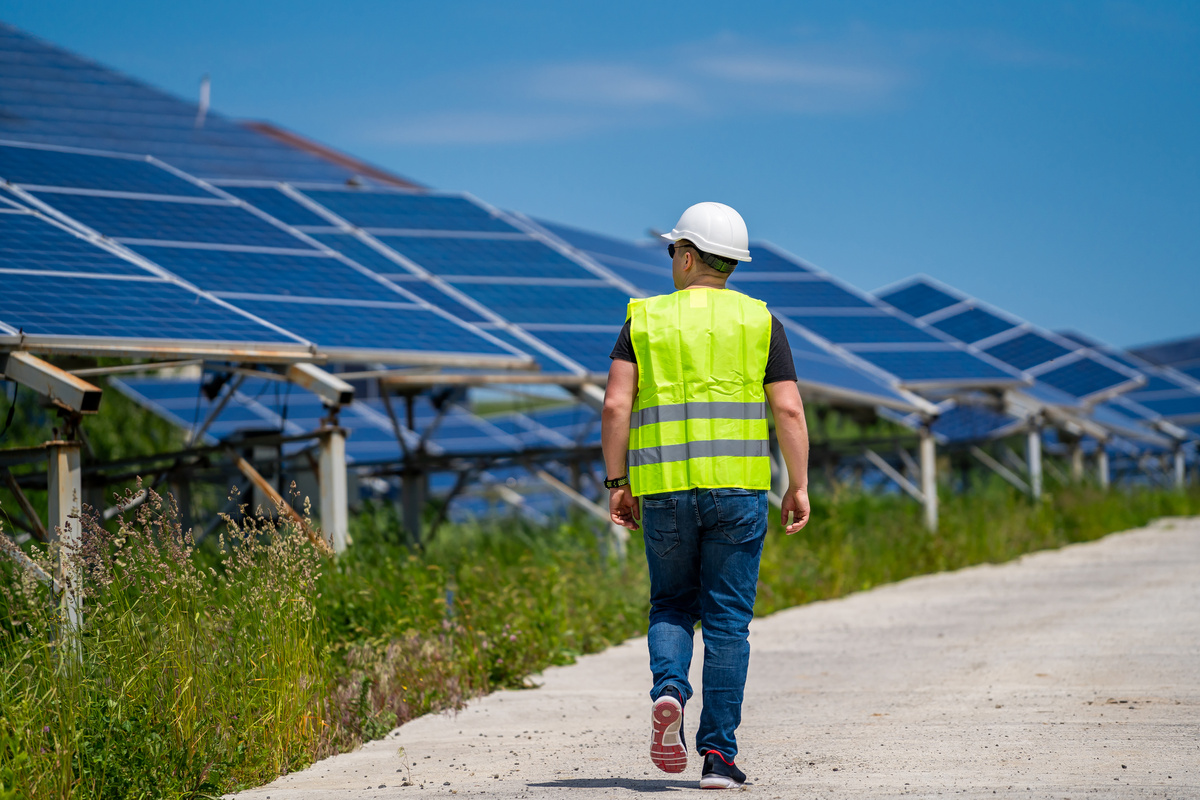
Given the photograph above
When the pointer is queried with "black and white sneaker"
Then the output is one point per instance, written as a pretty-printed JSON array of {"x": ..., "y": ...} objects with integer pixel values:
[
  {"x": 719, "y": 773},
  {"x": 667, "y": 750}
]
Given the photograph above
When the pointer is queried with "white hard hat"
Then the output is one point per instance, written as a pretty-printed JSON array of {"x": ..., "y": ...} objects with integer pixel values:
[{"x": 714, "y": 228}]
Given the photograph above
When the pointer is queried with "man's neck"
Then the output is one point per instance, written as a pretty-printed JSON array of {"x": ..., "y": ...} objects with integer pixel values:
[{"x": 706, "y": 282}]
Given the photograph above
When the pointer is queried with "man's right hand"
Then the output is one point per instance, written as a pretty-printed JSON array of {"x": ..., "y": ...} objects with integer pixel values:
[
  {"x": 794, "y": 501},
  {"x": 623, "y": 508}
]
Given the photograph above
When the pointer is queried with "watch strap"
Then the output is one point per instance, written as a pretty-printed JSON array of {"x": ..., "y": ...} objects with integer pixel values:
[{"x": 615, "y": 483}]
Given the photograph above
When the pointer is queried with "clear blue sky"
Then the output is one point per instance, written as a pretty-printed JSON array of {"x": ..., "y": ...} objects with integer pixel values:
[{"x": 1040, "y": 155}]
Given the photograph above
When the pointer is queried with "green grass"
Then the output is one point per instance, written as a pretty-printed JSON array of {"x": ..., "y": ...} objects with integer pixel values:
[{"x": 204, "y": 670}]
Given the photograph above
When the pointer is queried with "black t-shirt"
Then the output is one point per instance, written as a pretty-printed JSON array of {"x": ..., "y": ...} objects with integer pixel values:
[{"x": 780, "y": 366}]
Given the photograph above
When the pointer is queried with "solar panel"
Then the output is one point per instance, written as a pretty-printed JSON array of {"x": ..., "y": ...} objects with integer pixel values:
[
  {"x": 28, "y": 242},
  {"x": 972, "y": 423},
  {"x": 499, "y": 258},
  {"x": 918, "y": 299},
  {"x": 858, "y": 329},
  {"x": 1017, "y": 343},
  {"x": 647, "y": 267},
  {"x": 45, "y": 304},
  {"x": 396, "y": 210},
  {"x": 284, "y": 274},
  {"x": 1027, "y": 350},
  {"x": 260, "y": 265},
  {"x": 210, "y": 222},
  {"x": 972, "y": 325},
  {"x": 927, "y": 367},
  {"x": 28, "y": 165},
  {"x": 592, "y": 304},
  {"x": 277, "y": 204},
  {"x": 60, "y": 290}
]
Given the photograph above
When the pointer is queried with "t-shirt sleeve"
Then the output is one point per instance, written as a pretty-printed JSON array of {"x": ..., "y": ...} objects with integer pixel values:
[
  {"x": 780, "y": 366},
  {"x": 623, "y": 349}
]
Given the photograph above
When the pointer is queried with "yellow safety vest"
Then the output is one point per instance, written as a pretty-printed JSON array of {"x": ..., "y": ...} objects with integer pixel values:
[{"x": 700, "y": 417}]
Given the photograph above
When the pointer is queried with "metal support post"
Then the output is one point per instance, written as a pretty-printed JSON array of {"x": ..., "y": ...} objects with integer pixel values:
[
  {"x": 1180, "y": 467},
  {"x": 335, "y": 515},
  {"x": 65, "y": 484},
  {"x": 1102, "y": 465},
  {"x": 1033, "y": 457},
  {"x": 1077, "y": 461},
  {"x": 410, "y": 503},
  {"x": 929, "y": 477}
]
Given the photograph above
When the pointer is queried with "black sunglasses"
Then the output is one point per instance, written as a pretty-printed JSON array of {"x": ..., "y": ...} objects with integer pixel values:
[{"x": 671, "y": 247}]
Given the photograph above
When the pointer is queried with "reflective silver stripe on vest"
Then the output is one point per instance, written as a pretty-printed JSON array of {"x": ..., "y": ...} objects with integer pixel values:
[
  {"x": 735, "y": 448},
  {"x": 678, "y": 412}
]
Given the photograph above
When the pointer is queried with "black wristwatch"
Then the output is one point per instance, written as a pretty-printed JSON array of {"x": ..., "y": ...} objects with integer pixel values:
[{"x": 616, "y": 483}]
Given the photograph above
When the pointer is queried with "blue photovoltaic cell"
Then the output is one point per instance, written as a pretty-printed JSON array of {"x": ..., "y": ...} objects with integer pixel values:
[
  {"x": 153, "y": 309},
  {"x": 1188, "y": 406},
  {"x": 528, "y": 303},
  {"x": 78, "y": 171},
  {"x": 825, "y": 370},
  {"x": 545, "y": 362},
  {"x": 970, "y": 423},
  {"x": 1027, "y": 350},
  {"x": 649, "y": 280},
  {"x": 784, "y": 295},
  {"x": 30, "y": 242},
  {"x": 764, "y": 260},
  {"x": 268, "y": 273},
  {"x": 1193, "y": 371},
  {"x": 277, "y": 204},
  {"x": 589, "y": 349},
  {"x": 409, "y": 211},
  {"x": 919, "y": 299},
  {"x": 435, "y": 296},
  {"x": 863, "y": 329},
  {"x": 1157, "y": 383},
  {"x": 523, "y": 258},
  {"x": 1183, "y": 353},
  {"x": 370, "y": 327},
  {"x": 122, "y": 218},
  {"x": 646, "y": 267},
  {"x": 972, "y": 325},
  {"x": 1083, "y": 377},
  {"x": 352, "y": 247},
  {"x": 934, "y": 365}
]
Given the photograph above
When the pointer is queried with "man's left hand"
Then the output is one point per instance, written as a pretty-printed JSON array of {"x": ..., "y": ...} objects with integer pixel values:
[{"x": 623, "y": 508}]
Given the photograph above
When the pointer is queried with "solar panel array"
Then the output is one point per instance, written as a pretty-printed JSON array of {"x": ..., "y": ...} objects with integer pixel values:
[
  {"x": 177, "y": 226},
  {"x": 51, "y": 96},
  {"x": 506, "y": 277},
  {"x": 1079, "y": 372}
]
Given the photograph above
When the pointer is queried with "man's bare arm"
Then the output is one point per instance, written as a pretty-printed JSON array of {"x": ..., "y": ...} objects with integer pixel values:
[
  {"x": 614, "y": 438},
  {"x": 791, "y": 430}
]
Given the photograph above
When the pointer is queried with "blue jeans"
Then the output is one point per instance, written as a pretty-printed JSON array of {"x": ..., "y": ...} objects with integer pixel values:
[{"x": 703, "y": 547}]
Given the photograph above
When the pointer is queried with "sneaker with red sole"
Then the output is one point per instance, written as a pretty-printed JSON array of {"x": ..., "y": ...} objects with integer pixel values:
[
  {"x": 667, "y": 750},
  {"x": 719, "y": 773}
]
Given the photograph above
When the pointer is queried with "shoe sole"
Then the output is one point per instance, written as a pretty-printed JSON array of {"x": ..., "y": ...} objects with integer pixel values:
[
  {"x": 718, "y": 782},
  {"x": 666, "y": 748}
]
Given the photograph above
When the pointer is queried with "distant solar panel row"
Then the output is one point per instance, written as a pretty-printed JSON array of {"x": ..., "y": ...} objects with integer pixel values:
[{"x": 1057, "y": 361}]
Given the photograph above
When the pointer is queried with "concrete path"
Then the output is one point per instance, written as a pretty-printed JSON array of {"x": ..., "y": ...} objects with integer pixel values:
[{"x": 1067, "y": 673}]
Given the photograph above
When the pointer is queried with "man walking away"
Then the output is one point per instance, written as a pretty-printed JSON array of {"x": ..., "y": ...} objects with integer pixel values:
[{"x": 685, "y": 431}]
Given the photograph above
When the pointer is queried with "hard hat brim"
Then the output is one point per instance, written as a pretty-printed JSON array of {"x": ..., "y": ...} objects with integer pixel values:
[{"x": 707, "y": 246}]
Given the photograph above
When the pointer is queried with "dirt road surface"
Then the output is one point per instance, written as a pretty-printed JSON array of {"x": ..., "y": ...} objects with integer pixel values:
[{"x": 1066, "y": 674}]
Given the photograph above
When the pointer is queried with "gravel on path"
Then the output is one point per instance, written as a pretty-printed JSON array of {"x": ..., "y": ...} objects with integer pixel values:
[{"x": 1062, "y": 674}]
